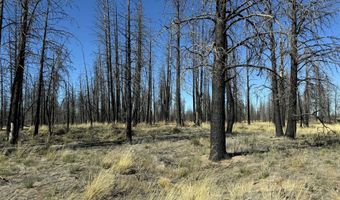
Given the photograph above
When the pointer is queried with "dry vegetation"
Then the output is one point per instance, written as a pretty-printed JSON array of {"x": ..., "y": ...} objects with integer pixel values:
[{"x": 262, "y": 166}]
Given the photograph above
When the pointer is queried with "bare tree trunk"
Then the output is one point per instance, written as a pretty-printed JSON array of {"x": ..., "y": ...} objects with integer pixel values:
[
  {"x": 329, "y": 106},
  {"x": 292, "y": 108},
  {"x": 275, "y": 90},
  {"x": 320, "y": 93},
  {"x": 282, "y": 84},
  {"x": 179, "y": 121},
  {"x": 118, "y": 106},
  {"x": 73, "y": 106},
  {"x": 194, "y": 77},
  {"x": 149, "y": 105},
  {"x": 335, "y": 105},
  {"x": 109, "y": 62},
  {"x": 68, "y": 106},
  {"x": 89, "y": 104},
  {"x": 248, "y": 97},
  {"x": 194, "y": 91},
  {"x": 230, "y": 103},
  {"x": 307, "y": 99},
  {"x": 217, "y": 135},
  {"x": 2, "y": 107},
  {"x": 16, "y": 91},
  {"x": 128, "y": 79},
  {"x": 41, "y": 73},
  {"x": 168, "y": 79},
  {"x": 137, "y": 81},
  {"x": 50, "y": 100},
  {"x": 154, "y": 101},
  {"x": 1, "y": 17},
  {"x": 199, "y": 83},
  {"x": 300, "y": 110}
]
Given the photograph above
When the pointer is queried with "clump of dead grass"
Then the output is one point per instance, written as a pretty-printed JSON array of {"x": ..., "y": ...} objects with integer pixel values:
[
  {"x": 164, "y": 182},
  {"x": 119, "y": 162},
  {"x": 100, "y": 186},
  {"x": 184, "y": 190},
  {"x": 239, "y": 190},
  {"x": 68, "y": 156},
  {"x": 124, "y": 163},
  {"x": 289, "y": 189}
]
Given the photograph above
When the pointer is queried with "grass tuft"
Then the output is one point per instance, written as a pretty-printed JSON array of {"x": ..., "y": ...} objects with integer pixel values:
[
  {"x": 124, "y": 163},
  {"x": 68, "y": 157},
  {"x": 100, "y": 186},
  {"x": 29, "y": 182},
  {"x": 164, "y": 182},
  {"x": 186, "y": 190}
]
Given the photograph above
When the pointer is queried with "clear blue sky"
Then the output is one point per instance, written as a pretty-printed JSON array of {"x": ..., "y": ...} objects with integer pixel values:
[{"x": 83, "y": 28}]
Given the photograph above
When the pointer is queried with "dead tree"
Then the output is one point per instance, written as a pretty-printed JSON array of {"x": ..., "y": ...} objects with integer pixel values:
[
  {"x": 179, "y": 121},
  {"x": 108, "y": 60},
  {"x": 230, "y": 102},
  {"x": 292, "y": 105},
  {"x": 307, "y": 98},
  {"x": 16, "y": 91},
  {"x": 248, "y": 96},
  {"x": 149, "y": 101},
  {"x": 2, "y": 93},
  {"x": 217, "y": 137},
  {"x": 282, "y": 83},
  {"x": 41, "y": 72},
  {"x": 68, "y": 103},
  {"x": 303, "y": 35},
  {"x": 2, "y": 73},
  {"x": 117, "y": 71},
  {"x": 273, "y": 59},
  {"x": 168, "y": 84},
  {"x": 139, "y": 65},
  {"x": 89, "y": 104},
  {"x": 128, "y": 77}
]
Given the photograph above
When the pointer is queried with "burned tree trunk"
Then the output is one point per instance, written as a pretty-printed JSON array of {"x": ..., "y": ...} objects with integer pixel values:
[
  {"x": 292, "y": 107},
  {"x": 16, "y": 91},
  {"x": 149, "y": 103},
  {"x": 41, "y": 74},
  {"x": 168, "y": 79},
  {"x": 117, "y": 72},
  {"x": 282, "y": 93},
  {"x": 248, "y": 97},
  {"x": 2, "y": 93},
  {"x": 2, "y": 99},
  {"x": 108, "y": 52},
  {"x": 230, "y": 103},
  {"x": 179, "y": 121},
  {"x": 137, "y": 81},
  {"x": 217, "y": 136},
  {"x": 128, "y": 79},
  {"x": 275, "y": 89},
  {"x": 307, "y": 99}
]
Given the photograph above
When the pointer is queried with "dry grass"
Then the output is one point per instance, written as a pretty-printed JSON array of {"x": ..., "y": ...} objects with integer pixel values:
[
  {"x": 178, "y": 169},
  {"x": 125, "y": 162},
  {"x": 164, "y": 182},
  {"x": 119, "y": 162},
  {"x": 100, "y": 186},
  {"x": 187, "y": 190},
  {"x": 68, "y": 156}
]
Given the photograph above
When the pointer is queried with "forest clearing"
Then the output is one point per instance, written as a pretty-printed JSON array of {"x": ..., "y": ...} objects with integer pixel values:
[
  {"x": 170, "y": 99},
  {"x": 261, "y": 166}
]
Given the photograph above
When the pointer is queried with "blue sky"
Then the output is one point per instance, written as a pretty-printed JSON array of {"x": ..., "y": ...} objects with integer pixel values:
[{"x": 83, "y": 15}]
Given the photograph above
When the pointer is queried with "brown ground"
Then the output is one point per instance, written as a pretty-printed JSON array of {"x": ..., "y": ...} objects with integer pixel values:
[{"x": 170, "y": 163}]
